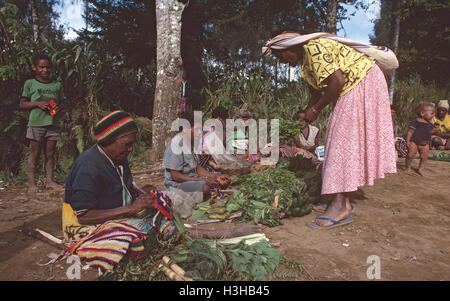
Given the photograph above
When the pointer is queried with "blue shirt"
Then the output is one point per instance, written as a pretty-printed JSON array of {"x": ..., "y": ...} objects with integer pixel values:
[
  {"x": 183, "y": 162},
  {"x": 422, "y": 131},
  {"x": 94, "y": 183}
]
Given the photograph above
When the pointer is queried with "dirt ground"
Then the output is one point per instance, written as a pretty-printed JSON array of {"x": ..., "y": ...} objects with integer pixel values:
[{"x": 402, "y": 219}]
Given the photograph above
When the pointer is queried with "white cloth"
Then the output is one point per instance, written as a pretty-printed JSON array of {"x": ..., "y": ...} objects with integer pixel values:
[{"x": 310, "y": 139}]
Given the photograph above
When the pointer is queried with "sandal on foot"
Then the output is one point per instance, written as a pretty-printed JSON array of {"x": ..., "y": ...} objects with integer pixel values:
[
  {"x": 321, "y": 207},
  {"x": 334, "y": 224}
]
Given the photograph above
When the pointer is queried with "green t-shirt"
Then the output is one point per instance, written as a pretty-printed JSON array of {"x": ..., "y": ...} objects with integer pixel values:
[{"x": 34, "y": 91}]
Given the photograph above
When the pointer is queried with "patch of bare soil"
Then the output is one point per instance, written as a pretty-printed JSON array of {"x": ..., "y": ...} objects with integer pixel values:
[{"x": 402, "y": 219}]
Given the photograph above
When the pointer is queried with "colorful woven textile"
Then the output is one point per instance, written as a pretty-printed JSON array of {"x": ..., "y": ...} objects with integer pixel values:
[
  {"x": 401, "y": 147},
  {"x": 110, "y": 241},
  {"x": 107, "y": 245}
]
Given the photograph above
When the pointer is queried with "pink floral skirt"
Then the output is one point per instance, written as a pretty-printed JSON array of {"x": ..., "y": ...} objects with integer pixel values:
[{"x": 359, "y": 141}]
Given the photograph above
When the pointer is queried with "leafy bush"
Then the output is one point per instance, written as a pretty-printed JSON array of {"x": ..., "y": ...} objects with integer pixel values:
[{"x": 408, "y": 94}]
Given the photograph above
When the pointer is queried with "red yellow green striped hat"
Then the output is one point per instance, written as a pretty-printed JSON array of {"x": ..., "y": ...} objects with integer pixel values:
[{"x": 113, "y": 125}]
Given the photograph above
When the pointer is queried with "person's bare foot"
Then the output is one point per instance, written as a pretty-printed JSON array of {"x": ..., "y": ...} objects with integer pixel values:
[
  {"x": 53, "y": 185},
  {"x": 408, "y": 171},
  {"x": 421, "y": 172},
  {"x": 335, "y": 212},
  {"x": 320, "y": 208},
  {"x": 32, "y": 189}
]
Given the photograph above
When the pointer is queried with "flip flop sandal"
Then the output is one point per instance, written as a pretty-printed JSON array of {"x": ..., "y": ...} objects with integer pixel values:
[
  {"x": 322, "y": 207},
  {"x": 334, "y": 224}
]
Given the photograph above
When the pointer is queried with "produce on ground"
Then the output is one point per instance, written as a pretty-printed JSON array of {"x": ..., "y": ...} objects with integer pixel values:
[
  {"x": 441, "y": 156},
  {"x": 268, "y": 196}
]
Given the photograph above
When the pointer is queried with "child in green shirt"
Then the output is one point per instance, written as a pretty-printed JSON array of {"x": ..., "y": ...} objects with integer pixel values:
[{"x": 43, "y": 126}]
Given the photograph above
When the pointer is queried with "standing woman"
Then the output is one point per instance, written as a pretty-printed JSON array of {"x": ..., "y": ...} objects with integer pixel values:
[{"x": 359, "y": 130}]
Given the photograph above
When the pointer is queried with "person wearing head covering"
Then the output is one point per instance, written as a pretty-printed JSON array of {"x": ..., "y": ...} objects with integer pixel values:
[
  {"x": 99, "y": 186},
  {"x": 347, "y": 76},
  {"x": 103, "y": 216},
  {"x": 441, "y": 139}
]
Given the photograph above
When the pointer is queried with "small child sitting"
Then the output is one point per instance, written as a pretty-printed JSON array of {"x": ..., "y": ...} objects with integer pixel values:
[
  {"x": 309, "y": 136},
  {"x": 419, "y": 136}
]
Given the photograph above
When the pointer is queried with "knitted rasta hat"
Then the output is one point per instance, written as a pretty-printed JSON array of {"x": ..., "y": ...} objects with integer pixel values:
[{"x": 113, "y": 125}]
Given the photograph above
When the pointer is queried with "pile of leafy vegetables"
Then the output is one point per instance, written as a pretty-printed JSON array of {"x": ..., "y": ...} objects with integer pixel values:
[
  {"x": 268, "y": 196},
  {"x": 288, "y": 129},
  {"x": 309, "y": 172},
  {"x": 203, "y": 259}
]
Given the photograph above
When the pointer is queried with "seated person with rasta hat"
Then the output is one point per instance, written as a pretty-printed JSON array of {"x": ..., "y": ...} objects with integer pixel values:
[{"x": 99, "y": 186}]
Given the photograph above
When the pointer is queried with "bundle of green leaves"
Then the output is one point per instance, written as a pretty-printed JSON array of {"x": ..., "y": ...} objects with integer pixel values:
[
  {"x": 307, "y": 171},
  {"x": 267, "y": 196},
  {"x": 288, "y": 129},
  {"x": 253, "y": 262}
]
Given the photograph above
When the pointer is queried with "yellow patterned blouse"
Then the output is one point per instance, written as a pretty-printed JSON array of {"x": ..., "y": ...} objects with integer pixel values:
[{"x": 324, "y": 56}]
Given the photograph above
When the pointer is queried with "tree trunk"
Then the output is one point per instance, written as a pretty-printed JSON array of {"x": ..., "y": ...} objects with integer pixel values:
[
  {"x": 169, "y": 68},
  {"x": 35, "y": 17},
  {"x": 397, "y": 14},
  {"x": 332, "y": 16}
]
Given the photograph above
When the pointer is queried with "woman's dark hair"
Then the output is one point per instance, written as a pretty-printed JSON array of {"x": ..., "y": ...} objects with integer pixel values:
[
  {"x": 189, "y": 116},
  {"x": 301, "y": 111},
  {"x": 277, "y": 52},
  {"x": 41, "y": 56},
  {"x": 220, "y": 112}
]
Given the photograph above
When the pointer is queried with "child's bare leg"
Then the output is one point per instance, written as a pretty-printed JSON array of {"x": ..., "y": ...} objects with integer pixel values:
[
  {"x": 412, "y": 150},
  {"x": 424, "y": 151},
  {"x": 50, "y": 146},
  {"x": 35, "y": 147}
]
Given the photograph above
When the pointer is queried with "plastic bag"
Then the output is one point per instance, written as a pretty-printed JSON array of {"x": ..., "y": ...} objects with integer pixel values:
[
  {"x": 228, "y": 161},
  {"x": 183, "y": 202}
]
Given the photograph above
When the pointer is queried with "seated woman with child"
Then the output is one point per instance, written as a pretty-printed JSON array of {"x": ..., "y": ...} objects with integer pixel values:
[{"x": 309, "y": 136}]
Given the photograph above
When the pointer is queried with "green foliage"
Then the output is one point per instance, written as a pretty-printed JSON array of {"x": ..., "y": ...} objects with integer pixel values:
[
  {"x": 202, "y": 260},
  {"x": 309, "y": 172},
  {"x": 288, "y": 130},
  {"x": 144, "y": 138},
  {"x": 409, "y": 94},
  {"x": 265, "y": 101},
  {"x": 423, "y": 38},
  {"x": 16, "y": 50},
  {"x": 258, "y": 192},
  {"x": 93, "y": 83},
  {"x": 254, "y": 262}
]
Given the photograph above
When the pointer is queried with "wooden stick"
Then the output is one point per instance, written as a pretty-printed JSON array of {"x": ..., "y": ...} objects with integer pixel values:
[
  {"x": 171, "y": 274},
  {"x": 49, "y": 236},
  {"x": 176, "y": 268},
  {"x": 44, "y": 237}
]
